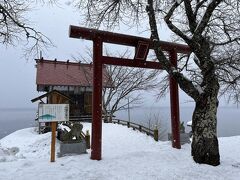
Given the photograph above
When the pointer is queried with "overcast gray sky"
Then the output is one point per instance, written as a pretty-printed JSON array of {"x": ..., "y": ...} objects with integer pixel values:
[{"x": 17, "y": 76}]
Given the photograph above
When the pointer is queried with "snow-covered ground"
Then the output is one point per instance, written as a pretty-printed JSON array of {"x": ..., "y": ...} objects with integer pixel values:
[{"x": 127, "y": 154}]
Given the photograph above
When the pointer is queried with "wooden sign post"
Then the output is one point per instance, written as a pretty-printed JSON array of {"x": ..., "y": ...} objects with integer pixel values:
[
  {"x": 53, "y": 142},
  {"x": 53, "y": 113}
]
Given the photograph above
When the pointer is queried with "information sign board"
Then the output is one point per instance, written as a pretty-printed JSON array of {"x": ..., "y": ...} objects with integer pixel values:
[{"x": 53, "y": 112}]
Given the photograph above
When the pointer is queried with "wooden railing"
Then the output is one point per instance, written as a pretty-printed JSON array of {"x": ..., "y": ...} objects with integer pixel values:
[{"x": 141, "y": 128}]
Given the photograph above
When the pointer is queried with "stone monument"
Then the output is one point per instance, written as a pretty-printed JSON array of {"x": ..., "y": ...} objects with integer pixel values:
[{"x": 73, "y": 141}]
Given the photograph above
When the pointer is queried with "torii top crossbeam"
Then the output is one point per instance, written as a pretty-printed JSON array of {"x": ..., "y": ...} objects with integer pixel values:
[
  {"x": 122, "y": 39},
  {"x": 142, "y": 46}
]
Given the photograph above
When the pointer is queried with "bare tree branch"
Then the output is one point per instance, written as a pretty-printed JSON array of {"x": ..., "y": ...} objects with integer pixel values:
[{"x": 14, "y": 26}]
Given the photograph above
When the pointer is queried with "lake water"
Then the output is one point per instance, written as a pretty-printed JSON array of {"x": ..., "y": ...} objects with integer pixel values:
[
  {"x": 228, "y": 119},
  {"x": 15, "y": 119}
]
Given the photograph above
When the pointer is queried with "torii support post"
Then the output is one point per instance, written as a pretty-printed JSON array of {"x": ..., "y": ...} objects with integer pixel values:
[
  {"x": 97, "y": 100},
  {"x": 174, "y": 99}
]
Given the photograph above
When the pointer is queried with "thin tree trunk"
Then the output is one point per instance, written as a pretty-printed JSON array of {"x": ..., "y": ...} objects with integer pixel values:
[{"x": 205, "y": 143}]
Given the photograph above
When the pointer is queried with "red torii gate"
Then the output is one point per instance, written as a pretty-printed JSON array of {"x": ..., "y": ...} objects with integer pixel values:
[{"x": 142, "y": 46}]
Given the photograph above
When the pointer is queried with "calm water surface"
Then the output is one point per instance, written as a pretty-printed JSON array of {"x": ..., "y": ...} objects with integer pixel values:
[
  {"x": 15, "y": 119},
  {"x": 228, "y": 119}
]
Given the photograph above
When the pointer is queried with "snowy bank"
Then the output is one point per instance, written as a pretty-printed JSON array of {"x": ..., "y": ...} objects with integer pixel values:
[{"x": 127, "y": 154}]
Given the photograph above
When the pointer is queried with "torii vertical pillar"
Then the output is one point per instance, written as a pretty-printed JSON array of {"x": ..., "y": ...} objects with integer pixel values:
[
  {"x": 96, "y": 146},
  {"x": 174, "y": 99}
]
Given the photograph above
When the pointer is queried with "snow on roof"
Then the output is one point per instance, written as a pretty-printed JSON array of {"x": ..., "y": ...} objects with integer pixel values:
[{"x": 127, "y": 155}]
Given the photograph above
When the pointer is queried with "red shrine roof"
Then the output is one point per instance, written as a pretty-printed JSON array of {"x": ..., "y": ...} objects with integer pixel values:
[{"x": 60, "y": 73}]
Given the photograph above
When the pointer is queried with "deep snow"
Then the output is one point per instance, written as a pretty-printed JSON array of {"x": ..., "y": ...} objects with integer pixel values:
[{"x": 127, "y": 154}]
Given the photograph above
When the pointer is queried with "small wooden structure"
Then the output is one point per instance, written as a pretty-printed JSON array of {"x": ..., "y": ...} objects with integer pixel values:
[
  {"x": 73, "y": 80},
  {"x": 53, "y": 96}
]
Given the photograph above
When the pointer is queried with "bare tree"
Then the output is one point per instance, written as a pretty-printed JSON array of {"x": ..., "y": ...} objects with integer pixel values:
[
  {"x": 128, "y": 83},
  {"x": 15, "y": 28},
  {"x": 211, "y": 28}
]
